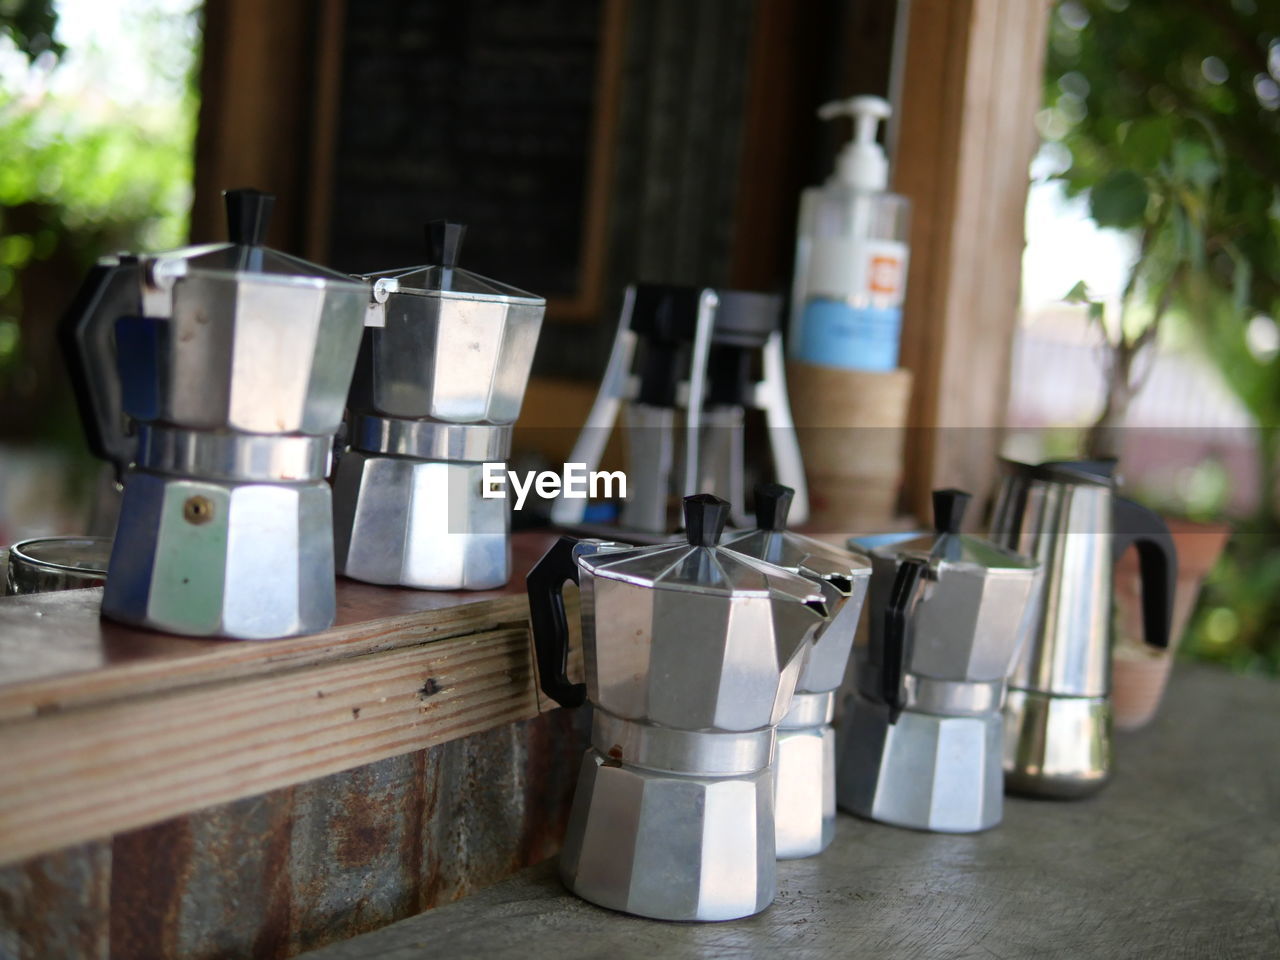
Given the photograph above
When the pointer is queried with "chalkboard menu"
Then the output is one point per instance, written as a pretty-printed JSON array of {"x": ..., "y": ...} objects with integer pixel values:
[{"x": 480, "y": 111}]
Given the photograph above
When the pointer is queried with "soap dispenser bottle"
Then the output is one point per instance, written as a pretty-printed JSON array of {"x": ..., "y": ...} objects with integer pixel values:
[{"x": 851, "y": 254}]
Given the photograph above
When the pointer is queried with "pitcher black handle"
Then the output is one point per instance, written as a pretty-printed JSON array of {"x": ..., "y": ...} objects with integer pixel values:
[
  {"x": 86, "y": 335},
  {"x": 896, "y": 647},
  {"x": 545, "y": 585},
  {"x": 1134, "y": 525}
]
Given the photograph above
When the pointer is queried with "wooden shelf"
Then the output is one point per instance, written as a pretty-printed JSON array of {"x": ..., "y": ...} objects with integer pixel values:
[{"x": 105, "y": 728}]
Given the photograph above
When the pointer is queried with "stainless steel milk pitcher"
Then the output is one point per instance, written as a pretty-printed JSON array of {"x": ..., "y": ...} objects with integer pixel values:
[{"x": 1058, "y": 711}]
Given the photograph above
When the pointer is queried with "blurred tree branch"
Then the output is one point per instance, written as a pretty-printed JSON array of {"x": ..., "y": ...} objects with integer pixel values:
[{"x": 30, "y": 24}]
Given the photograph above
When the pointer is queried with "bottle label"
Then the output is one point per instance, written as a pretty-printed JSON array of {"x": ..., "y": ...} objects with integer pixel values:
[
  {"x": 862, "y": 272},
  {"x": 835, "y": 334},
  {"x": 885, "y": 273}
]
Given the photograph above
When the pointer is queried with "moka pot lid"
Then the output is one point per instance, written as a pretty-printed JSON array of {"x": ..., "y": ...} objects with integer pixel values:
[
  {"x": 773, "y": 543},
  {"x": 947, "y": 545},
  {"x": 700, "y": 564},
  {"x": 443, "y": 277},
  {"x": 244, "y": 256}
]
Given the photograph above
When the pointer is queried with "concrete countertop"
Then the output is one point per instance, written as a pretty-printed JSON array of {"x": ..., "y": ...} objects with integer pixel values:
[{"x": 1178, "y": 857}]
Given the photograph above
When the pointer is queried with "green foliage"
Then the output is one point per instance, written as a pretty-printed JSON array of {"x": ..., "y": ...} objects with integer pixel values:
[
  {"x": 1119, "y": 200},
  {"x": 80, "y": 176},
  {"x": 1239, "y": 608},
  {"x": 119, "y": 172},
  {"x": 30, "y": 24},
  {"x": 1188, "y": 105},
  {"x": 1171, "y": 118}
]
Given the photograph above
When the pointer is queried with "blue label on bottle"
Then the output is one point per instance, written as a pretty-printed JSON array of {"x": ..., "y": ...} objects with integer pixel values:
[{"x": 834, "y": 334}]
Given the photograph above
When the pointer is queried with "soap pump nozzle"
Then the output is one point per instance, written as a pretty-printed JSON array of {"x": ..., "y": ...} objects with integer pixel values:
[{"x": 862, "y": 163}]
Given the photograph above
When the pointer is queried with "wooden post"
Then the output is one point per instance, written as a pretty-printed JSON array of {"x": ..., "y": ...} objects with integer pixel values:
[
  {"x": 972, "y": 84},
  {"x": 268, "y": 83}
]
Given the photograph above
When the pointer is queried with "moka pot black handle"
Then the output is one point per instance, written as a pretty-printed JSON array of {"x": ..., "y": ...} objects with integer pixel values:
[
  {"x": 896, "y": 646},
  {"x": 1134, "y": 525},
  {"x": 549, "y": 624},
  {"x": 86, "y": 336}
]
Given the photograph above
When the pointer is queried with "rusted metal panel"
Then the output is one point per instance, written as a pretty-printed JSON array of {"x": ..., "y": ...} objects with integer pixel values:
[
  {"x": 473, "y": 835},
  {"x": 271, "y": 876},
  {"x": 553, "y": 755},
  {"x": 149, "y": 871},
  {"x": 354, "y": 854},
  {"x": 56, "y": 905},
  {"x": 206, "y": 885},
  {"x": 236, "y": 900}
]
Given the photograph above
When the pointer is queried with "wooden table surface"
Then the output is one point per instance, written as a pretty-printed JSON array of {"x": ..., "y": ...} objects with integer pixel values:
[
  {"x": 1178, "y": 857},
  {"x": 56, "y": 652},
  {"x": 104, "y": 728}
]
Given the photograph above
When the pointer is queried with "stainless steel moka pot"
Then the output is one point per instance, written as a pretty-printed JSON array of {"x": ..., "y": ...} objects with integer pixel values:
[
  {"x": 691, "y": 655},
  {"x": 922, "y": 734},
  {"x": 438, "y": 385},
  {"x": 804, "y": 792},
  {"x": 1058, "y": 713},
  {"x": 214, "y": 378},
  {"x": 686, "y": 367}
]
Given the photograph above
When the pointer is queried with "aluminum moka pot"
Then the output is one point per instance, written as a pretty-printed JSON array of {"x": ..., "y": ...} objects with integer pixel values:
[
  {"x": 1058, "y": 713},
  {"x": 214, "y": 378},
  {"x": 805, "y": 767},
  {"x": 691, "y": 654},
  {"x": 439, "y": 382},
  {"x": 922, "y": 732}
]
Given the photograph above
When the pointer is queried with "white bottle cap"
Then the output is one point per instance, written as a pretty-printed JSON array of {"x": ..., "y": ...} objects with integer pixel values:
[{"x": 862, "y": 163}]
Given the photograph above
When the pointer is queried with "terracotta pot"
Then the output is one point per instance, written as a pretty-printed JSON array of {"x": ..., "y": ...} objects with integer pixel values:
[{"x": 1139, "y": 673}]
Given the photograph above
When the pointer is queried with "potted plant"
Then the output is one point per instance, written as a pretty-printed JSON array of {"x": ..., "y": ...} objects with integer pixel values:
[
  {"x": 1175, "y": 114},
  {"x": 1163, "y": 196}
]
